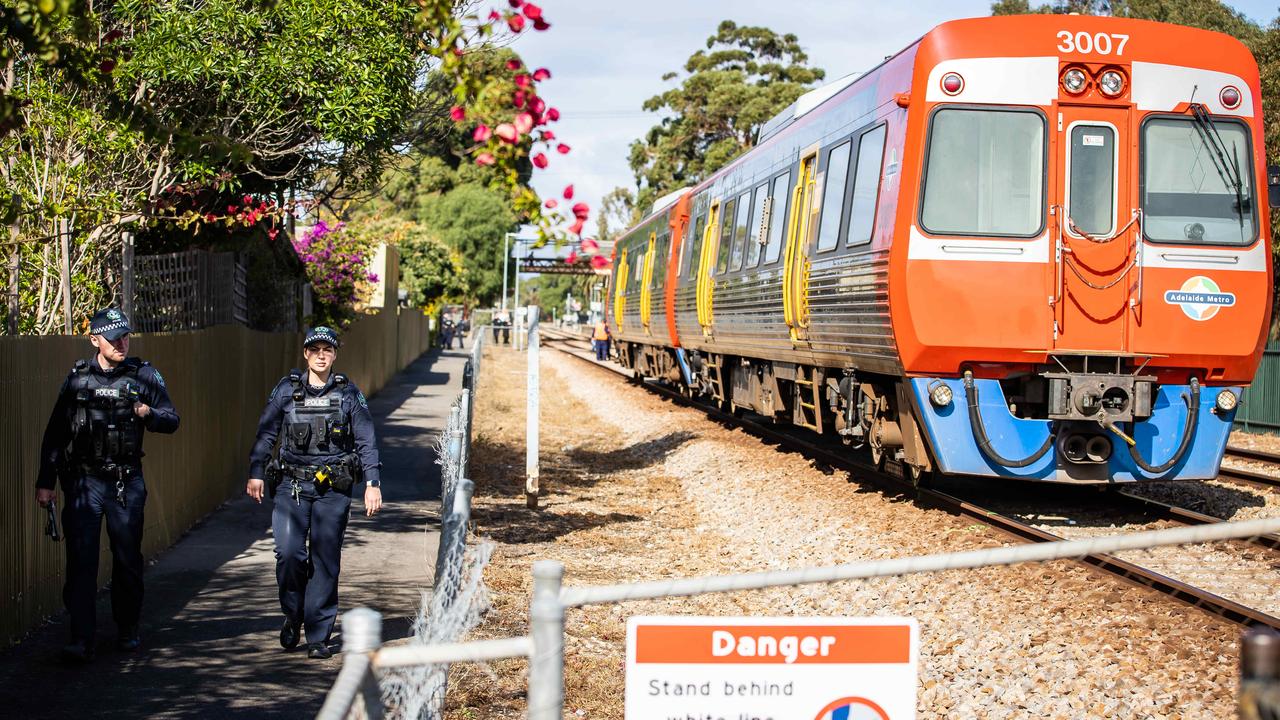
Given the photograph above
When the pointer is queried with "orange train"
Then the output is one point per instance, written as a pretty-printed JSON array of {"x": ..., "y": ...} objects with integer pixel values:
[{"x": 1024, "y": 247}]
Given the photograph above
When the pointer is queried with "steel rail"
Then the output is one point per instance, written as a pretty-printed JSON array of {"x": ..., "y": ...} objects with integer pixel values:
[
  {"x": 1251, "y": 477},
  {"x": 1123, "y": 569},
  {"x": 1186, "y": 516}
]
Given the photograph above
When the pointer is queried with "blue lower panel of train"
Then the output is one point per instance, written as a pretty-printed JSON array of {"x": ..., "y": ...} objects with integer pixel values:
[{"x": 956, "y": 451}]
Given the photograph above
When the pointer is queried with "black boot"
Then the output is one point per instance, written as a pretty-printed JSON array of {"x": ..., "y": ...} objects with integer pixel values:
[
  {"x": 130, "y": 640},
  {"x": 78, "y": 652},
  {"x": 289, "y": 634},
  {"x": 319, "y": 651}
]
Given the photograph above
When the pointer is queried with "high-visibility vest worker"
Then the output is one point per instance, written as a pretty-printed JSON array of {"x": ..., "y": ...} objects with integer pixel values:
[{"x": 602, "y": 332}]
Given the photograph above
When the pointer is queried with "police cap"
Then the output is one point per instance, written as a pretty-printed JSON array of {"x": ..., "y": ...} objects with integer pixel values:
[
  {"x": 320, "y": 334},
  {"x": 110, "y": 323}
]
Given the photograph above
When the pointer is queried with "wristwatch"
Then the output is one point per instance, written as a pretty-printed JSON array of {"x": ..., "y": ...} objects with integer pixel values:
[{"x": 374, "y": 483}]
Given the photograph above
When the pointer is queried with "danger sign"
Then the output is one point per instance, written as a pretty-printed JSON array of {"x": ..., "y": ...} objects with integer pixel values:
[{"x": 714, "y": 668}]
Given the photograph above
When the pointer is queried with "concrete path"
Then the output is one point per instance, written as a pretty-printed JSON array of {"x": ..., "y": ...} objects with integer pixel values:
[{"x": 211, "y": 619}]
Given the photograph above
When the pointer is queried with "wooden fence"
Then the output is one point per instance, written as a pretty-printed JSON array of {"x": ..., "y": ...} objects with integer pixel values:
[{"x": 218, "y": 378}]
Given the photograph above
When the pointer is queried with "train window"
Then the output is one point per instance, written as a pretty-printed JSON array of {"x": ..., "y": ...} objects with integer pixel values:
[
  {"x": 726, "y": 237},
  {"x": 866, "y": 186},
  {"x": 777, "y": 216},
  {"x": 740, "y": 231},
  {"x": 1091, "y": 188},
  {"x": 833, "y": 196},
  {"x": 755, "y": 226},
  {"x": 1197, "y": 181},
  {"x": 984, "y": 174},
  {"x": 695, "y": 243}
]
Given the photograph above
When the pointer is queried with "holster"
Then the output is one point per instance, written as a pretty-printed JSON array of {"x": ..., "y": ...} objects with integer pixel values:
[{"x": 272, "y": 476}]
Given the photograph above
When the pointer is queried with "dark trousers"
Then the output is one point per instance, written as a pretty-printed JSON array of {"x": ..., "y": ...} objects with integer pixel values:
[
  {"x": 308, "y": 534},
  {"x": 87, "y": 501},
  {"x": 446, "y": 339}
]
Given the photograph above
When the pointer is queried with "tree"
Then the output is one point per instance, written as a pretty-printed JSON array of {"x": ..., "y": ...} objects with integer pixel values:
[
  {"x": 471, "y": 220},
  {"x": 1205, "y": 14},
  {"x": 618, "y": 211},
  {"x": 745, "y": 76}
]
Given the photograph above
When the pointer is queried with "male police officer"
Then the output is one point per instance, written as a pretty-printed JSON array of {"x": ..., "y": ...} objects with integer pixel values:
[
  {"x": 327, "y": 446},
  {"x": 93, "y": 444}
]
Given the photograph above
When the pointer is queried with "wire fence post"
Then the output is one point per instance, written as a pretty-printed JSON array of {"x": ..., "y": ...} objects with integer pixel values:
[
  {"x": 361, "y": 636},
  {"x": 531, "y": 415},
  {"x": 546, "y": 629}
]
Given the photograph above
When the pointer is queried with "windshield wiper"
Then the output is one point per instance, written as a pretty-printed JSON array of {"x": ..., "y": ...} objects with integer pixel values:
[{"x": 1228, "y": 171}]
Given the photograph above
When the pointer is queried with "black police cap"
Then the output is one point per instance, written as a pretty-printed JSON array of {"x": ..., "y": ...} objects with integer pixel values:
[
  {"x": 110, "y": 323},
  {"x": 319, "y": 334}
]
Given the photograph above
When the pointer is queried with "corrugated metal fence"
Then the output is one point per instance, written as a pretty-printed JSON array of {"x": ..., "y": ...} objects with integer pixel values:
[
  {"x": 1260, "y": 407},
  {"x": 218, "y": 378}
]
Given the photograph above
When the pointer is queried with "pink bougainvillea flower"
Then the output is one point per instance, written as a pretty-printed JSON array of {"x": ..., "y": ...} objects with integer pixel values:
[
  {"x": 516, "y": 3},
  {"x": 548, "y": 135},
  {"x": 485, "y": 159},
  {"x": 457, "y": 113},
  {"x": 246, "y": 199},
  {"x": 541, "y": 74},
  {"x": 522, "y": 80},
  {"x": 518, "y": 98},
  {"x": 540, "y": 161},
  {"x": 513, "y": 65},
  {"x": 506, "y": 132},
  {"x": 494, "y": 15},
  {"x": 576, "y": 227},
  {"x": 481, "y": 134},
  {"x": 531, "y": 11},
  {"x": 551, "y": 203},
  {"x": 537, "y": 105},
  {"x": 210, "y": 217},
  {"x": 516, "y": 23},
  {"x": 590, "y": 246},
  {"x": 553, "y": 114},
  {"x": 272, "y": 233},
  {"x": 524, "y": 123},
  {"x": 599, "y": 262},
  {"x": 581, "y": 211},
  {"x": 568, "y": 192},
  {"x": 540, "y": 24},
  {"x": 562, "y": 149},
  {"x": 572, "y": 257}
]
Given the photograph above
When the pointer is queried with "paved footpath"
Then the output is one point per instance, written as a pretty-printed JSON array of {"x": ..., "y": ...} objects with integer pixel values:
[{"x": 211, "y": 618}]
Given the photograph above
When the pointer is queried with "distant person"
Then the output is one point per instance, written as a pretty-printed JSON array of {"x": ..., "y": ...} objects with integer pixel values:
[
  {"x": 502, "y": 328},
  {"x": 326, "y": 446},
  {"x": 600, "y": 340},
  {"x": 93, "y": 447},
  {"x": 463, "y": 328},
  {"x": 446, "y": 332}
]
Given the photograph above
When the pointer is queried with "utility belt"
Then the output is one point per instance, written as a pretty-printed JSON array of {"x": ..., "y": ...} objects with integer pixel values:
[
  {"x": 113, "y": 472},
  {"x": 340, "y": 475}
]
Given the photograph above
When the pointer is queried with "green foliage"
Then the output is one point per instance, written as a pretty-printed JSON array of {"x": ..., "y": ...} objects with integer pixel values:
[
  {"x": 1205, "y": 14},
  {"x": 744, "y": 77},
  {"x": 471, "y": 220},
  {"x": 429, "y": 271}
]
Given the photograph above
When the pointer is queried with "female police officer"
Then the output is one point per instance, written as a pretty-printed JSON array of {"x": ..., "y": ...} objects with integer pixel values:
[{"x": 327, "y": 446}]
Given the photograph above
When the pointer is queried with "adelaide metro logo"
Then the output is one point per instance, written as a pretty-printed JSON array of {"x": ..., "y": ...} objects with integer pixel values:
[
  {"x": 852, "y": 708},
  {"x": 1200, "y": 298}
]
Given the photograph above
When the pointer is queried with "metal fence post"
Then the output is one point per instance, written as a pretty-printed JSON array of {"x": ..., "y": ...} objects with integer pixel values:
[
  {"x": 464, "y": 433},
  {"x": 361, "y": 635},
  {"x": 531, "y": 417},
  {"x": 546, "y": 629}
]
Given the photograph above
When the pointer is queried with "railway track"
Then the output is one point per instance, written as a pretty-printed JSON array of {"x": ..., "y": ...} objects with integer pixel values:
[
  {"x": 1134, "y": 574},
  {"x": 1251, "y": 477}
]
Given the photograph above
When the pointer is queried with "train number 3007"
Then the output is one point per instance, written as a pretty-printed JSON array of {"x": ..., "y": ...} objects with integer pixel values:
[{"x": 1099, "y": 43}]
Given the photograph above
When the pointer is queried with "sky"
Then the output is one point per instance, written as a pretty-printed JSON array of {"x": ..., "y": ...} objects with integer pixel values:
[{"x": 607, "y": 57}]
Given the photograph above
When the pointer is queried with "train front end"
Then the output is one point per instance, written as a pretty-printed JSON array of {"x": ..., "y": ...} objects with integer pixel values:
[{"x": 1086, "y": 282}]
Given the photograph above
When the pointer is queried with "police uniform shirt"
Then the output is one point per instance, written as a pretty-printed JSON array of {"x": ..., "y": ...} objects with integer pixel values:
[
  {"x": 163, "y": 417},
  {"x": 353, "y": 405}
]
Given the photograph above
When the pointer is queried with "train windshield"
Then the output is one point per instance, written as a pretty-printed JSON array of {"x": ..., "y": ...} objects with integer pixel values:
[
  {"x": 1197, "y": 181},
  {"x": 985, "y": 173}
]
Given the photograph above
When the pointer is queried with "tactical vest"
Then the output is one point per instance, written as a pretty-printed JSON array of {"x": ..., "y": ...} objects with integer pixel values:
[
  {"x": 103, "y": 426},
  {"x": 317, "y": 425}
]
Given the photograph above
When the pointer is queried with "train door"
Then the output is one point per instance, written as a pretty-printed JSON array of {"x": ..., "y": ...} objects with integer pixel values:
[
  {"x": 1094, "y": 229},
  {"x": 620, "y": 290},
  {"x": 795, "y": 264},
  {"x": 646, "y": 285},
  {"x": 706, "y": 265}
]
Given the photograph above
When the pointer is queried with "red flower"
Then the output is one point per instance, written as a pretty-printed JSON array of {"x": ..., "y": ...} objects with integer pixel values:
[
  {"x": 572, "y": 257},
  {"x": 246, "y": 199},
  {"x": 482, "y": 133},
  {"x": 231, "y": 209},
  {"x": 516, "y": 23},
  {"x": 485, "y": 159},
  {"x": 553, "y": 114},
  {"x": 272, "y": 233},
  {"x": 516, "y": 3},
  {"x": 537, "y": 106},
  {"x": 568, "y": 192},
  {"x": 494, "y": 15},
  {"x": 590, "y": 246},
  {"x": 210, "y": 217},
  {"x": 518, "y": 98},
  {"x": 541, "y": 74},
  {"x": 540, "y": 161},
  {"x": 581, "y": 211},
  {"x": 533, "y": 12},
  {"x": 457, "y": 113},
  {"x": 599, "y": 262},
  {"x": 513, "y": 65},
  {"x": 506, "y": 132},
  {"x": 540, "y": 24},
  {"x": 524, "y": 123},
  {"x": 551, "y": 203},
  {"x": 576, "y": 227},
  {"x": 562, "y": 149},
  {"x": 522, "y": 80},
  {"x": 548, "y": 135},
  {"x": 106, "y": 66}
]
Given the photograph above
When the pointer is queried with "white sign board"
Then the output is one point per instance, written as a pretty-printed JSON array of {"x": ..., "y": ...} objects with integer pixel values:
[{"x": 771, "y": 668}]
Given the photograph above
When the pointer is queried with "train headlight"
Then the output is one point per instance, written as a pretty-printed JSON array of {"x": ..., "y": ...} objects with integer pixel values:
[
  {"x": 940, "y": 394},
  {"x": 1227, "y": 401},
  {"x": 1073, "y": 81},
  {"x": 1111, "y": 83}
]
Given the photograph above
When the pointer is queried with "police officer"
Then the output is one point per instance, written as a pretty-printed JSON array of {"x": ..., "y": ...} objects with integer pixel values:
[
  {"x": 93, "y": 445},
  {"x": 326, "y": 446}
]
